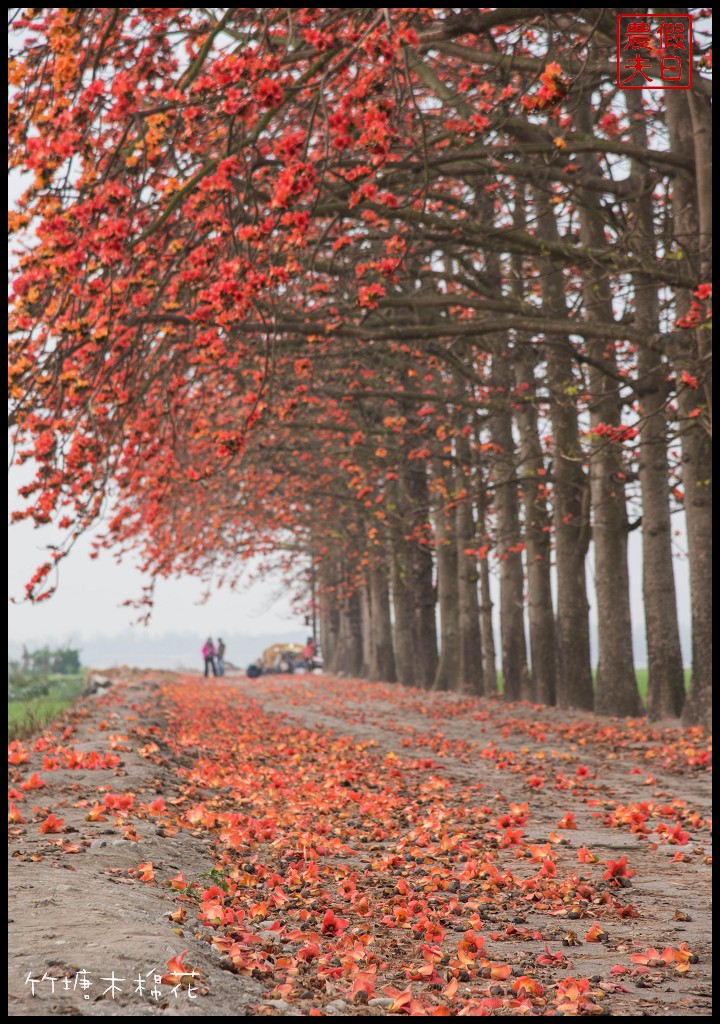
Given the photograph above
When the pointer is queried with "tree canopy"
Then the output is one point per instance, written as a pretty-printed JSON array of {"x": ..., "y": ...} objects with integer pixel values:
[{"x": 376, "y": 296}]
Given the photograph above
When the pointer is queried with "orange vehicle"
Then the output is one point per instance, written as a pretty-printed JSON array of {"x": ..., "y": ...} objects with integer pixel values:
[{"x": 282, "y": 658}]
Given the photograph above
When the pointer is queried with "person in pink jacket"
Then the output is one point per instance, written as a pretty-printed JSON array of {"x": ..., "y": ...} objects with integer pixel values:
[{"x": 208, "y": 653}]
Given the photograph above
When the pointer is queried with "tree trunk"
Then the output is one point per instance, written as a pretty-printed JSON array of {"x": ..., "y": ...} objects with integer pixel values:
[
  {"x": 697, "y": 481},
  {"x": 531, "y": 471},
  {"x": 420, "y": 562},
  {"x": 447, "y": 675},
  {"x": 543, "y": 652},
  {"x": 402, "y": 612},
  {"x": 413, "y": 593},
  {"x": 666, "y": 681},
  {"x": 470, "y": 655},
  {"x": 329, "y": 612},
  {"x": 403, "y": 616},
  {"x": 349, "y": 658},
  {"x": 366, "y": 631},
  {"x": 516, "y": 678},
  {"x": 487, "y": 632},
  {"x": 382, "y": 657},
  {"x": 570, "y": 509},
  {"x": 616, "y": 690},
  {"x": 689, "y": 133}
]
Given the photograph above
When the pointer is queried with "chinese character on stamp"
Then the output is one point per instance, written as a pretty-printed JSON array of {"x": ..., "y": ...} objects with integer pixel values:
[{"x": 654, "y": 51}]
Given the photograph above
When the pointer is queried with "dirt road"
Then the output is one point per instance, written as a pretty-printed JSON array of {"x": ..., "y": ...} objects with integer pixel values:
[{"x": 318, "y": 846}]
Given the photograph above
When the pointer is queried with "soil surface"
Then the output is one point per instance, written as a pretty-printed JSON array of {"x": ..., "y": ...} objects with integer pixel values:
[{"x": 176, "y": 846}]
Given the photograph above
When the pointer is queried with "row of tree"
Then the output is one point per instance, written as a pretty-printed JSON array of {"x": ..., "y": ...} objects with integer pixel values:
[
  {"x": 404, "y": 295},
  {"x": 61, "y": 660},
  {"x": 35, "y": 673}
]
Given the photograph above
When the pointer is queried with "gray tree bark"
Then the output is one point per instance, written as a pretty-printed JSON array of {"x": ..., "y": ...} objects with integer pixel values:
[
  {"x": 516, "y": 678},
  {"x": 470, "y": 660},
  {"x": 571, "y": 504},
  {"x": 543, "y": 651},
  {"x": 487, "y": 632},
  {"x": 689, "y": 130},
  {"x": 666, "y": 680},
  {"x": 382, "y": 656},
  {"x": 349, "y": 656},
  {"x": 447, "y": 674},
  {"x": 616, "y": 690}
]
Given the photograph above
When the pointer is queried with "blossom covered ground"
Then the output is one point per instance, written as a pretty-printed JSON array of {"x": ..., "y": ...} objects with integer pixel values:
[{"x": 311, "y": 845}]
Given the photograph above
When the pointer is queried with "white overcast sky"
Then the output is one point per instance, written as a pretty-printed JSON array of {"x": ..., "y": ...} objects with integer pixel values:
[{"x": 89, "y": 599}]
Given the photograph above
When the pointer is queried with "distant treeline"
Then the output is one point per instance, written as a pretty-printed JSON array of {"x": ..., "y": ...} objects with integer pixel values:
[{"x": 60, "y": 660}]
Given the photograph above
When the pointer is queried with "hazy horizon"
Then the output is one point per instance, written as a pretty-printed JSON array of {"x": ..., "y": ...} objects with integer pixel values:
[
  {"x": 181, "y": 648},
  {"x": 171, "y": 650}
]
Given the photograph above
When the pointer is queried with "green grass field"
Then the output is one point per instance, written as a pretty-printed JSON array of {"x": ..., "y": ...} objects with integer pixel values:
[
  {"x": 30, "y": 715},
  {"x": 642, "y": 679},
  {"x": 641, "y": 674}
]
